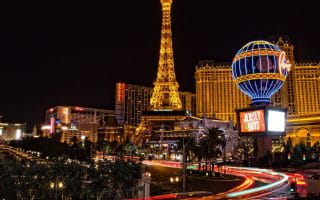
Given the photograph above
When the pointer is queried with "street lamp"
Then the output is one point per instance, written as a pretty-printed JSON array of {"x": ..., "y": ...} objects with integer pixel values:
[
  {"x": 55, "y": 186},
  {"x": 226, "y": 140},
  {"x": 60, "y": 185},
  {"x": 174, "y": 179},
  {"x": 83, "y": 137},
  {"x": 184, "y": 159},
  {"x": 148, "y": 174}
]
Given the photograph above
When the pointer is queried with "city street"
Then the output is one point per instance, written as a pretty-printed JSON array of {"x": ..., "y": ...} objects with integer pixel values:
[
  {"x": 161, "y": 176},
  {"x": 256, "y": 183},
  {"x": 160, "y": 99}
]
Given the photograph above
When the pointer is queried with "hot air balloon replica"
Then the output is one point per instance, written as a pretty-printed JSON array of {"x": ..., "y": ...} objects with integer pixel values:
[{"x": 259, "y": 69}]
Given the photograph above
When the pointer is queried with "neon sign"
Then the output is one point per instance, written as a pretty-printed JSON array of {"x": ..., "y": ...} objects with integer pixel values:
[
  {"x": 283, "y": 62},
  {"x": 259, "y": 69},
  {"x": 120, "y": 92},
  {"x": 52, "y": 125}
]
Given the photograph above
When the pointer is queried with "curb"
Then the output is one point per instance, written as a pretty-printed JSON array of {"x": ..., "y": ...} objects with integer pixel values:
[{"x": 212, "y": 180}]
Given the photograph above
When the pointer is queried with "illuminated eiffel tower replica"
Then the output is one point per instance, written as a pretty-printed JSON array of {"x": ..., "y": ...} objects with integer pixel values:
[
  {"x": 165, "y": 103},
  {"x": 165, "y": 93}
]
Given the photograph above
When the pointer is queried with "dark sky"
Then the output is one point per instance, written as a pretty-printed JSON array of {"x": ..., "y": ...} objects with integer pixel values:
[{"x": 73, "y": 52}]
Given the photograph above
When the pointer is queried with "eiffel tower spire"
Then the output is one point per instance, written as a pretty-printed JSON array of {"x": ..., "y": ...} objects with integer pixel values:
[{"x": 165, "y": 92}]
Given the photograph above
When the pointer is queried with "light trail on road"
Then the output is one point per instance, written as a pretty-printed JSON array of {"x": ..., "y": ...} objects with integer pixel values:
[
  {"x": 274, "y": 183},
  {"x": 279, "y": 183}
]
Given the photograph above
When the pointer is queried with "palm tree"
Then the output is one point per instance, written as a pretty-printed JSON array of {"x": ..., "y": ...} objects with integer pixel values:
[
  {"x": 210, "y": 143},
  {"x": 191, "y": 148},
  {"x": 112, "y": 179},
  {"x": 130, "y": 148},
  {"x": 114, "y": 146}
]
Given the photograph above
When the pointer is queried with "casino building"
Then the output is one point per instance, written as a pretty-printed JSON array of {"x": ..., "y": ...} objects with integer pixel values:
[
  {"x": 166, "y": 113},
  {"x": 131, "y": 100},
  {"x": 217, "y": 94},
  {"x": 74, "y": 121},
  {"x": 218, "y": 97},
  {"x": 11, "y": 131}
]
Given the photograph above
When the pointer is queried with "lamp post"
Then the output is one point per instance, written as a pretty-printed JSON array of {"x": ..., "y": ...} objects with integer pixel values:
[
  {"x": 184, "y": 160},
  {"x": 160, "y": 132},
  {"x": 224, "y": 146},
  {"x": 57, "y": 186},
  {"x": 83, "y": 138},
  {"x": 174, "y": 179}
]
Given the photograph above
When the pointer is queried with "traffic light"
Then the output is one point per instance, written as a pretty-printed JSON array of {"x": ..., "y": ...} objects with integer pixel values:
[
  {"x": 304, "y": 157},
  {"x": 293, "y": 187}
]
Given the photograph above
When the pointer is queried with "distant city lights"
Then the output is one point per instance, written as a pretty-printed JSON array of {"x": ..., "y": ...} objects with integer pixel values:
[
  {"x": 64, "y": 128},
  {"x": 46, "y": 127},
  {"x": 18, "y": 134},
  {"x": 83, "y": 137}
]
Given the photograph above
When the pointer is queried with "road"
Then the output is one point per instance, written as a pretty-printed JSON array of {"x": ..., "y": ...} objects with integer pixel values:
[
  {"x": 161, "y": 175},
  {"x": 257, "y": 183},
  {"x": 27, "y": 156}
]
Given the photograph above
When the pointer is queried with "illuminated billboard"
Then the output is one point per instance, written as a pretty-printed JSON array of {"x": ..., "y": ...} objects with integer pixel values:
[
  {"x": 276, "y": 121},
  {"x": 252, "y": 121},
  {"x": 262, "y": 120}
]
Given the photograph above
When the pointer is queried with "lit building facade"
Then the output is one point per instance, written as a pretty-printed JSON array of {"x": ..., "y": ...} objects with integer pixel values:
[
  {"x": 301, "y": 91},
  {"x": 11, "y": 131},
  {"x": 110, "y": 130},
  {"x": 131, "y": 100},
  {"x": 162, "y": 144},
  {"x": 307, "y": 88},
  {"x": 305, "y": 130},
  {"x": 217, "y": 96},
  {"x": 285, "y": 97},
  {"x": 75, "y": 114},
  {"x": 304, "y": 124},
  {"x": 167, "y": 105},
  {"x": 188, "y": 101},
  {"x": 72, "y": 121}
]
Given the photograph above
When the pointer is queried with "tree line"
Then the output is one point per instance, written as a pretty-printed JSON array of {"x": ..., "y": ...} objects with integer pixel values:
[{"x": 65, "y": 179}]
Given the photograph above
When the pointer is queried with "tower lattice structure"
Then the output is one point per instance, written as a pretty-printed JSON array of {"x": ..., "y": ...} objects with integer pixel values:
[{"x": 165, "y": 93}]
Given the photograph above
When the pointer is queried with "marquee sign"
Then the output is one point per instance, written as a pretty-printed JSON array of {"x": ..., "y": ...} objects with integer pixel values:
[
  {"x": 252, "y": 121},
  {"x": 262, "y": 120}
]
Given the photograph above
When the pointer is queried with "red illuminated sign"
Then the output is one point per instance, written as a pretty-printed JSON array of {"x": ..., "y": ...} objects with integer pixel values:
[
  {"x": 52, "y": 125},
  {"x": 252, "y": 121},
  {"x": 120, "y": 91}
]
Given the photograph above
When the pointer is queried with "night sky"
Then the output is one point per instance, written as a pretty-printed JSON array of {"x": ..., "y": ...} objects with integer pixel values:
[{"x": 73, "y": 52}]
